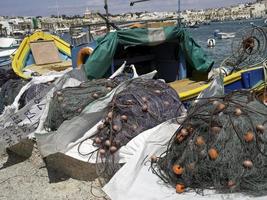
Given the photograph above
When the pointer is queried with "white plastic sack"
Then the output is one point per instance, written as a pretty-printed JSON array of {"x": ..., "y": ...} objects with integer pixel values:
[
  {"x": 19, "y": 124},
  {"x": 215, "y": 89}
]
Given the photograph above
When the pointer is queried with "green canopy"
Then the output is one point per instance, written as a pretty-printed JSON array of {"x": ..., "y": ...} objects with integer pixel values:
[{"x": 101, "y": 58}]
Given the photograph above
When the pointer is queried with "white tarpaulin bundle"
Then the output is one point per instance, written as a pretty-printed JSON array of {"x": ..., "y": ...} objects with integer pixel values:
[{"x": 17, "y": 124}]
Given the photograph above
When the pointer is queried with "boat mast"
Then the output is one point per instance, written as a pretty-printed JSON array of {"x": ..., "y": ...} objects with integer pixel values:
[
  {"x": 57, "y": 9},
  {"x": 107, "y": 17},
  {"x": 179, "y": 14}
]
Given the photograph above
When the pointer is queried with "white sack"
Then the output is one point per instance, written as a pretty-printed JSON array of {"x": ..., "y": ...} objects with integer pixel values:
[{"x": 18, "y": 124}]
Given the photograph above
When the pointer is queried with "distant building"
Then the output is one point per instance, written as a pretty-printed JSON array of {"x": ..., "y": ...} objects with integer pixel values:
[{"x": 87, "y": 14}]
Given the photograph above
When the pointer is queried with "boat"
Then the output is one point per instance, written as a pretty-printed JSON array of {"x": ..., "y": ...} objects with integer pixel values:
[
  {"x": 40, "y": 53},
  {"x": 193, "y": 25},
  {"x": 5, "y": 60},
  {"x": 8, "y": 46},
  {"x": 63, "y": 30},
  {"x": 169, "y": 50},
  {"x": 79, "y": 38},
  {"x": 224, "y": 35},
  {"x": 8, "y": 43}
]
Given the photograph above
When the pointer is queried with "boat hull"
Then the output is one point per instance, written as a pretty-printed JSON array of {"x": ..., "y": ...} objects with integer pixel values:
[
  {"x": 23, "y": 57},
  {"x": 250, "y": 79}
]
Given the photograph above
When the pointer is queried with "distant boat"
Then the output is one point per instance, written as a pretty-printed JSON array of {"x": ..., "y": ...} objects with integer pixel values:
[
  {"x": 194, "y": 26},
  {"x": 60, "y": 31},
  {"x": 41, "y": 52},
  {"x": 8, "y": 43},
  {"x": 7, "y": 47},
  {"x": 79, "y": 38},
  {"x": 5, "y": 57},
  {"x": 223, "y": 35}
]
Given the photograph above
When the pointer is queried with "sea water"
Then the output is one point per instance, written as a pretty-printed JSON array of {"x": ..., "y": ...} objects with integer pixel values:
[{"x": 223, "y": 47}]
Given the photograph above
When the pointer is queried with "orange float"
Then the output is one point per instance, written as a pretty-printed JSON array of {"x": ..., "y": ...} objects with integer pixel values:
[
  {"x": 180, "y": 188},
  {"x": 177, "y": 169}
]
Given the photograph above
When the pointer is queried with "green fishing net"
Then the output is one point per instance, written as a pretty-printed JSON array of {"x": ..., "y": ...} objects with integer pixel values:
[
  {"x": 69, "y": 102},
  {"x": 221, "y": 145},
  {"x": 31, "y": 93},
  {"x": 142, "y": 105},
  {"x": 7, "y": 74},
  {"x": 9, "y": 91}
]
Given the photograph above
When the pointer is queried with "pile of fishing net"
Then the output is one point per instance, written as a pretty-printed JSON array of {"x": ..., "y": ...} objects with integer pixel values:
[
  {"x": 221, "y": 145},
  {"x": 69, "y": 102},
  {"x": 143, "y": 104},
  {"x": 9, "y": 91},
  {"x": 32, "y": 92},
  {"x": 6, "y": 75}
]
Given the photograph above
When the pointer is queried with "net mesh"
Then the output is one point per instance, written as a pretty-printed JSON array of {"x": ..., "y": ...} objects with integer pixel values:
[
  {"x": 32, "y": 92},
  {"x": 9, "y": 91},
  {"x": 143, "y": 104},
  {"x": 69, "y": 102},
  {"x": 6, "y": 75},
  {"x": 221, "y": 145}
]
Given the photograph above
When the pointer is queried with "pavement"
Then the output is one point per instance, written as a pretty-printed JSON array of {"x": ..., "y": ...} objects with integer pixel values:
[{"x": 29, "y": 178}]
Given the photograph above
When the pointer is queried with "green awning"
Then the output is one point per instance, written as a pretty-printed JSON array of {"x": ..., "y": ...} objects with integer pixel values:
[{"x": 100, "y": 60}]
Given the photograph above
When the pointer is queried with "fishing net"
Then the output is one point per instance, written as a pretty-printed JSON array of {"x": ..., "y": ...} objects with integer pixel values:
[
  {"x": 23, "y": 117},
  {"x": 6, "y": 75},
  {"x": 31, "y": 93},
  {"x": 143, "y": 104},
  {"x": 69, "y": 102},
  {"x": 222, "y": 145},
  {"x": 9, "y": 91}
]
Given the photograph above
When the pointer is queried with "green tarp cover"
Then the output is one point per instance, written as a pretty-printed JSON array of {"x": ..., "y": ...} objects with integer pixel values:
[{"x": 101, "y": 58}]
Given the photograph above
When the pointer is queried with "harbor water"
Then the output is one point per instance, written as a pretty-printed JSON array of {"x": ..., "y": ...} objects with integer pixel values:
[{"x": 223, "y": 47}]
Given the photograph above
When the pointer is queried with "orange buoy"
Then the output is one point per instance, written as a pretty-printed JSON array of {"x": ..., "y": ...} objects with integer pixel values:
[
  {"x": 248, "y": 164},
  {"x": 82, "y": 54},
  {"x": 177, "y": 169},
  {"x": 231, "y": 183},
  {"x": 180, "y": 188},
  {"x": 213, "y": 154},
  {"x": 249, "y": 137},
  {"x": 200, "y": 141}
]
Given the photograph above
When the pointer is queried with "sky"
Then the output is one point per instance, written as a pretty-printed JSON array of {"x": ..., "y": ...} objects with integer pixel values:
[{"x": 72, "y": 7}]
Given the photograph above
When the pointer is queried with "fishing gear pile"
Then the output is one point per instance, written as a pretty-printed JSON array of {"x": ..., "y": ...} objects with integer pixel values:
[
  {"x": 7, "y": 74},
  {"x": 69, "y": 102},
  {"x": 31, "y": 93},
  {"x": 142, "y": 105},
  {"x": 221, "y": 145},
  {"x": 9, "y": 91}
]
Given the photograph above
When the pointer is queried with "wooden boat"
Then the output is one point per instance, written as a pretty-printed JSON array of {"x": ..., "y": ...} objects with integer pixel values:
[
  {"x": 40, "y": 53},
  {"x": 169, "y": 50},
  {"x": 252, "y": 79},
  {"x": 8, "y": 43},
  {"x": 223, "y": 35},
  {"x": 5, "y": 60}
]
